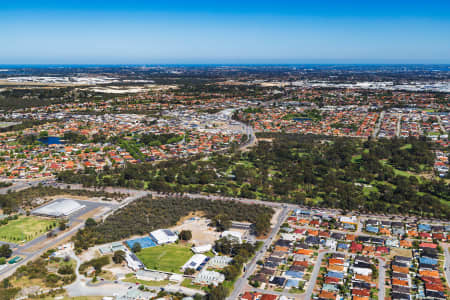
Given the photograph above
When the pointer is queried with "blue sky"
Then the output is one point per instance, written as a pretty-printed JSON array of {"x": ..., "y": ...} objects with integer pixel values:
[{"x": 278, "y": 31}]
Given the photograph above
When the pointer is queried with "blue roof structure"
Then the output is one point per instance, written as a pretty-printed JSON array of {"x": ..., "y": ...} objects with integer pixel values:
[
  {"x": 424, "y": 227},
  {"x": 292, "y": 283},
  {"x": 372, "y": 229},
  {"x": 343, "y": 246},
  {"x": 348, "y": 226},
  {"x": 427, "y": 261},
  {"x": 335, "y": 274},
  {"x": 294, "y": 274},
  {"x": 145, "y": 242}
]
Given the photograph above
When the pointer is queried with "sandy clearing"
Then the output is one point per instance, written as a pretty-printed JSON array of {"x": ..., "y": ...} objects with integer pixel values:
[{"x": 201, "y": 233}]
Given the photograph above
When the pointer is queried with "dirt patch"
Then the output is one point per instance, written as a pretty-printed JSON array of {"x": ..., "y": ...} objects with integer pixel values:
[
  {"x": 89, "y": 254},
  {"x": 270, "y": 140},
  {"x": 191, "y": 215},
  {"x": 119, "y": 271},
  {"x": 274, "y": 219},
  {"x": 201, "y": 233},
  {"x": 82, "y": 198},
  {"x": 399, "y": 252},
  {"x": 92, "y": 213}
]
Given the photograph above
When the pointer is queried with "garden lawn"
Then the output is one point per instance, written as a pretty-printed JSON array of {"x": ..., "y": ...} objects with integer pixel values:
[
  {"x": 24, "y": 229},
  {"x": 168, "y": 258}
]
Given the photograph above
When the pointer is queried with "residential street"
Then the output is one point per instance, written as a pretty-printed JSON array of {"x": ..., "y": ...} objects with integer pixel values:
[
  {"x": 447, "y": 263},
  {"x": 250, "y": 268},
  {"x": 314, "y": 274},
  {"x": 381, "y": 278},
  {"x": 241, "y": 284}
]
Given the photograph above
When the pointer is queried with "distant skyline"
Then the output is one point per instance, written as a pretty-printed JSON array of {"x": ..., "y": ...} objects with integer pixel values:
[{"x": 226, "y": 32}]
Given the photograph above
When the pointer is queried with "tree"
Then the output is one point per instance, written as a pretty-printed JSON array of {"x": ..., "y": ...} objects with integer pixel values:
[
  {"x": 189, "y": 271},
  {"x": 62, "y": 225},
  {"x": 222, "y": 222},
  {"x": 262, "y": 224},
  {"x": 185, "y": 235},
  {"x": 136, "y": 247},
  {"x": 90, "y": 222},
  {"x": 118, "y": 257},
  {"x": 43, "y": 134},
  {"x": 5, "y": 251},
  {"x": 217, "y": 293},
  {"x": 65, "y": 270}
]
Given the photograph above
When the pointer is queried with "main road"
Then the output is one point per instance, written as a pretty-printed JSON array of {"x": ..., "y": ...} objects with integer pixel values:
[
  {"x": 31, "y": 250},
  {"x": 241, "y": 283}
]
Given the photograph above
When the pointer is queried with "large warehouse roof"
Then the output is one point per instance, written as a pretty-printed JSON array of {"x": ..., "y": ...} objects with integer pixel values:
[
  {"x": 60, "y": 208},
  {"x": 164, "y": 236}
]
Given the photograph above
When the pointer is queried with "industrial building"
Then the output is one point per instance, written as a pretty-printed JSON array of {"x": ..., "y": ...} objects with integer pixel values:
[
  {"x": 59, "y": 208},
  {"x": 163, "y": 236}
]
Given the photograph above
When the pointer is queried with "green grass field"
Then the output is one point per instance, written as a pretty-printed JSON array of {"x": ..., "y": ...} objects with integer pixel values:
[
  {"x": 24, "y": 229},
  {"x": 169, "y": 258}
]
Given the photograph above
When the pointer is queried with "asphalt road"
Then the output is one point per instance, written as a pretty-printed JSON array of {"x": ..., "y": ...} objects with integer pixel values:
[
  {"x": 250, "y": 267},
  {"x": 381, "y": 278},
  {"x": 447, "y": 263},
  {"x": 378, "y": 125},
  {"x": 73, "y": 219},
  {"x": 18, "y": 185},
  {"x": 136, "y": 194},
  {"x": 314, "y": 274},
  {"x": 10, "y": 269}
]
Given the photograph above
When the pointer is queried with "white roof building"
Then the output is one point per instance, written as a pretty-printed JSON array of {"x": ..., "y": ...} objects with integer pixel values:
[
  {"x": 194, "y": 262},
  {"x": 289, "y": 236},
  {"x": 219, "y": 261},
  {"x": 59, "y": 208},
  {"x": 176, "y": 278},
  {"x": 349, "y": 220},
  {"x": 202, "y": 249},
  {"x": 132, "y": 261},
  {"x": 164, "y": 236},
  {"x": 150, "y": 275},
  {"x": 111, "y": 248},
  {"x": 209, "y": 277},
  {"x": 232, "y": 235},
  {"x": 362, "y": 271}
]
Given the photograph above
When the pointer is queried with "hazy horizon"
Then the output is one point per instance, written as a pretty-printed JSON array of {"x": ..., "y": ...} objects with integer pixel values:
[{"x": 203, "y": 32}]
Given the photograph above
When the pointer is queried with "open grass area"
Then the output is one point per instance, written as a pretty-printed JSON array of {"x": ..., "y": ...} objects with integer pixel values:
[
  {"x": 148, "y": 283},
  {"x": 368, "y": 189},
  {"x": 169, "y": 258},
  {"x": 188, "y": 283},
  {"x": 356, "y": 158},
  {"x": 24, "y": 229},
  {"x": 406, "y": 147}
]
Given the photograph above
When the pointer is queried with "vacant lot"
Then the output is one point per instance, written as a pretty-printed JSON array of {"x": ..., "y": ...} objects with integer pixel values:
[
  {"x": 169, "y": 258},
  {"x": 24, "y": 229},
  {"x": 201, "y": 233}
]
